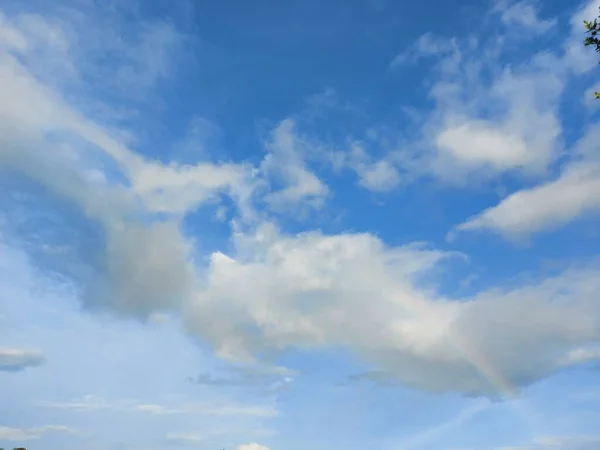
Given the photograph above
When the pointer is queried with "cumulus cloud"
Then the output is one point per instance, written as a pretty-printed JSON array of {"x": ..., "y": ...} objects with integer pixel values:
[
  {"x": 17, "y": 359},
  {"x": 476, "y": 143},
  {"x": 485, "y": 129},
  {"x": 351, "y": 290},
  {"x": 275, "y": 291}
]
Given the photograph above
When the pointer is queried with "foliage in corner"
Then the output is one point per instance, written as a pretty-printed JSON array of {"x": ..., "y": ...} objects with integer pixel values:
[{"x": 593, "y": 29}]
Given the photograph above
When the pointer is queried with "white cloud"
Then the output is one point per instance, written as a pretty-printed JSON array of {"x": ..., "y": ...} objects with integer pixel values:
[
  {"x": 147, "y": 265},
  {"x": 521, "y": 136},
  {"x": 178, "y": 189},
  {"x": 10, "y": 36},
  {"x": 476, "y": 143},
  {"x": 377, "y": 176},
  {"x": 552, "y": 204},
  {"x": 252, "y": 446},
  {"x": 91, "y": 403},
  {"x": 351, "y": 290},
  {"x": 86, "y": 403},
  {"x": 32, "y": 108},
  {"x": 286, "y": 163},
  {"x": 380, "y": 176},
  {"x": 490, "y": 118},
  {"x": 213, "y": 410},
  {"x": 26, "y": 434},
  {"x": 582, "y": 356},
  {"x": 542, "y": 207},
  {"x": 16, "y": 359},
  {"x": 524, "y": 138},
  {"x": 427, "y": 45},
  {"x": 277, "y": 291},
  {"x": 523, "y": 14}
]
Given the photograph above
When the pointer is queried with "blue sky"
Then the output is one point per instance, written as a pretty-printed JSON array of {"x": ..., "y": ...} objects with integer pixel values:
[{"x": 288, "y": 225}]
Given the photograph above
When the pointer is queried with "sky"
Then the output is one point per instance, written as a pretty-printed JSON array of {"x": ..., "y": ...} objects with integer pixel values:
[{"x": 299, "y": 224}]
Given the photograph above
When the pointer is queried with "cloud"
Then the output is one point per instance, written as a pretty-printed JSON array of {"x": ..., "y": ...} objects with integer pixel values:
[
  {"x": 276, "y": 291},
  {"x": 378, "y": 377},
  {"x": 313, "y": 290},
  {"x": 483, "y": 130},
  {"x": 179, "y": 189},
  {"x": 524, "y": 15},
  {"x": 490, "y": 118},
  {"x": 377, "y": 176},
  {"x": 253, "y": 446},
  {"x": 380, "y": 176},
  {"x": 86, "y": 403},
  {"x": 90, "y": 403},
  {"x": 264, "y": 381},
  {"x": 476, "y": 143},
  {"x": 214, "y": 410},
  {"x": 111, "y": 55},
  {"x": 549, "y": 205},
  {"x": 146, "y": 262},
  {"x": 425, "y": 46},
  {"x": 542, "y": 207},
  {"x": 185, "y": 438},
  {"x": 512, "y": 126},
  {"x": 26, "y": 434},
  {"x": 17, "y": 359},
  {"x": 559, "y": 443},
  {"x": 582, "y": 356},
  {"x": 285, "y": 163},
  {"x": 457, "y": 421}
]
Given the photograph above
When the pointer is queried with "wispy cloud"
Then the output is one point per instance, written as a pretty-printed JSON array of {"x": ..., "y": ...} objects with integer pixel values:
[
  {"x": 559, "y": 443},
  {"x": 523, "y": 14},
  {"x": 26, "y": 434},
  {"x": 422, "y": 438},
  {"x": 186, "y": 438},
  {"x": 285, "y": 162},
  {"x": 264, "y": 381},
  {"x": 215, "y": 410},
  {"x": 91, "y": 403}
]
